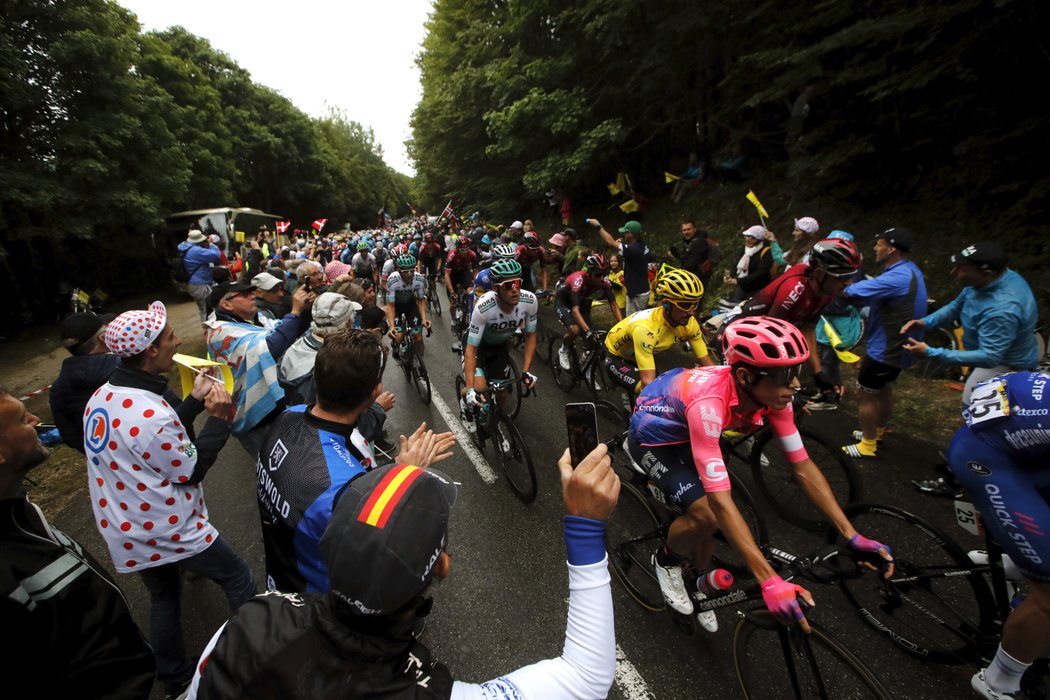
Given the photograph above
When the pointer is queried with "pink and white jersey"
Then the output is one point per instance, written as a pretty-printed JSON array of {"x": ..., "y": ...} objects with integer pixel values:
[
  {"x": 695, "y": 406},
  {"x": 139, "y": 457}
]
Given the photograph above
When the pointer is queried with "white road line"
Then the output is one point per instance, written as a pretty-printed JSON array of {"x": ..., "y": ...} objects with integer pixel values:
[
  {"x": 452, "y": 421},
  {"x": 628, "y": 680}
]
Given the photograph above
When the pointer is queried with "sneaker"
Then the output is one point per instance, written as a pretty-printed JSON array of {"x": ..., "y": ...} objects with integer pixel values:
[
  {"x": 563, "y": 358},
  {"x": 672, "y": 585},
  {"x": 939, "y": 487},
  {"x": 707, "y": 619},
  {"x": 824, "y": 402},
  {"x": 859, "y": 435},
  {"x": 980, "y": 686}
]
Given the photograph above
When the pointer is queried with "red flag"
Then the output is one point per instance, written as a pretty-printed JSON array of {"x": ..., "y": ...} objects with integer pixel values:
[
  {"x": 282, "y": 226},
  {"x": 450, "y": 214},
  {"x": 319, "y": 224}
]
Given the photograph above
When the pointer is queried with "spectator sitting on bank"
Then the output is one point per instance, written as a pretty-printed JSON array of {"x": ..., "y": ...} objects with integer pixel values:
[
  {"x": 70, "y": 630},
  {"x": 272, "y": 301},
  {"x": 236, "y": 338},
  {"x": 694, "y": 255},
  {"x": 199, "y": 259},
  {"x": 89, "y": 368}
]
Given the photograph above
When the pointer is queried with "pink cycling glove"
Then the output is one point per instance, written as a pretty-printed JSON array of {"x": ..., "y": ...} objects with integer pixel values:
[
  {"x": 862, "y": 544},
  {"x": 779, "y": 596}
]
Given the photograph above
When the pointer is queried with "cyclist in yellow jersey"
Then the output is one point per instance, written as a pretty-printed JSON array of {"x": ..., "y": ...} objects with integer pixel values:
[{"x": 633, "y": 342}]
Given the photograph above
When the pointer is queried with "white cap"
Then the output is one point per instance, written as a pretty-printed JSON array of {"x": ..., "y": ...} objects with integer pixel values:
[
  {"x": 265, "y": 281},
  {"x": 807, "y": 224},
  {"x": 517, "y": 224},
  {"x": 757, "y": 232}
]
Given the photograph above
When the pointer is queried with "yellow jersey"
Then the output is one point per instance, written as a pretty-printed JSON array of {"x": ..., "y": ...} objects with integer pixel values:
[{"x": 644, "y": 333}]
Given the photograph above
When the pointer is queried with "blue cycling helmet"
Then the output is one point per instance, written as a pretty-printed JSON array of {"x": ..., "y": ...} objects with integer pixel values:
[
  {"x": 841, "y": 234},
  {"x": 485, "y": 240}
]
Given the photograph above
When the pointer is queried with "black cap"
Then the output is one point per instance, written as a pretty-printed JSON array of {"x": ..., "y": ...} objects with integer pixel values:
[
  {"x": 78, "y": 327},
  {"x": 386, "y": 534},
  {"x": 900, "y": 238},
  {"x": 225, "y": 288},
  {"x": 985, "y": 255}
]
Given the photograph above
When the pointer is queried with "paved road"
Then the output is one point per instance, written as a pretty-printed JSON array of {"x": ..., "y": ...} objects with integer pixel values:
[{"x": 504, "y": 604}]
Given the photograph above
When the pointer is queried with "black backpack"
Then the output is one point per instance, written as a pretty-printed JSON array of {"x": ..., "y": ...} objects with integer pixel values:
[{"x": 178, "y": 266}]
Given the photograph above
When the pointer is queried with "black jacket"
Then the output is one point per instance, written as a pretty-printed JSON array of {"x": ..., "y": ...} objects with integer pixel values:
[
  {"x": 77, "y": 381},
  {"x": 284, "y": 645},
  {"x": 69, "y": 630},
  {"x": 694, "y": 253}
]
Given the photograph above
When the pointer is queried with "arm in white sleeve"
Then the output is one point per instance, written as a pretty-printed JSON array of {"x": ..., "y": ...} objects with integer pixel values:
[{"x": 587, "y": 665}]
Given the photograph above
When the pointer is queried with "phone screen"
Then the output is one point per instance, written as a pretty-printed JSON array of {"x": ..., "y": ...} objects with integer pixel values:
[{"x": 581, "y": 422}]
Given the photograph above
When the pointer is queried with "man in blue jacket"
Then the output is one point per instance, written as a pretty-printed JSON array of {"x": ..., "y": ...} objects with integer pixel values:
[
  {"x": 998, "y": 314},
  {"x": 201, "y": 256},
  {"x": 896, "y": 295}
]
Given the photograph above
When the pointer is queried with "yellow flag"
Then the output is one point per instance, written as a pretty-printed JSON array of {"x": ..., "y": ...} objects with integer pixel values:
[
  {"x": 189, "y": 366},
  {"x": 629, "y": 206},
  {"x": 618, "y": 186},
  {"x": 238, "y": 236},
  {"x": 83, "y": 297},
  {"x": 836, "y": 343},
  {"x": 758, "y": 205},
  {"x": 668, "y": 177}
]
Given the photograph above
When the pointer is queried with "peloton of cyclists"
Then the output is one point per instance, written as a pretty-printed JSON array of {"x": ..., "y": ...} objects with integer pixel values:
[
  {"x": 406, "y": 294},
  {"x": 573, "y": 297},
  {"x": 496, "y": 317},
  {"x": 674, "y": 432}
]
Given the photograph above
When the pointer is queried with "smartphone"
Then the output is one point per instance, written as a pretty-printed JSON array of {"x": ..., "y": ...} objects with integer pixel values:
[{"x": 581, "y": 422}]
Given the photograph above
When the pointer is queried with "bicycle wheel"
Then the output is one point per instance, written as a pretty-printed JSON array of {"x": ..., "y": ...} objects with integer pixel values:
[
  {"x": 420, "y": 378},
  {"x": 461, "y": 387},
  {"x": 927, "y": 608},
  {"x": 434, "y": 299},
  {"x": 633, "y": 533},
  {"x": 564, "y": 378},
  {"x": 932, "y": 368},
  {"x": 595, "y": 376},
  {"x": 725, "y": 555},
  {"x": 515, "y": 459},
  {"x": 772, "y": 661},
  {"x": 775, "y": 480},
  {"x": 512, "y": 399}
]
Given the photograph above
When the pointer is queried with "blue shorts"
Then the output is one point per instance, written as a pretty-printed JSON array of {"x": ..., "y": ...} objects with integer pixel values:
[
  {"x": 671, "y": 468},
  {"x": 1012, "y": 496}
]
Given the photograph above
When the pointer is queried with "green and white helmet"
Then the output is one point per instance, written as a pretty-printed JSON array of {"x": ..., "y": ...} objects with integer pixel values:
[
  {"x": 405, "y": 262},
  {"x": 505, "y": 270}
]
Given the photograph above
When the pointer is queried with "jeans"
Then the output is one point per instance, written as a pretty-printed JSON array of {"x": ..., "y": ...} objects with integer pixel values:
[
  {"x": 829, "y": 363},
  {"x": 164, "y": 583}
]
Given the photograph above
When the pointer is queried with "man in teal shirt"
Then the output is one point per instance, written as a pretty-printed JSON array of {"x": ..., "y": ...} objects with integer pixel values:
[{"x": 998, "y": 314}]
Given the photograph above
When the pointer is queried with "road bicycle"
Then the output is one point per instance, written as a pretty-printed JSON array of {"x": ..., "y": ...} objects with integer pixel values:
[
  {"x": 411, "y": 363},
  {"x": 433, "y": 298},
  {"x": 588, "y": 366},
  {"x": 493, "y": 424},
  {"x": 459, "y": 313},
  {"x": 939, "y": 605}
]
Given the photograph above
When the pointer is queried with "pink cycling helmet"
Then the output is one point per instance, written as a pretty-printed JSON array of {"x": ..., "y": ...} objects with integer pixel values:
[{"x": 761, "y": 341}]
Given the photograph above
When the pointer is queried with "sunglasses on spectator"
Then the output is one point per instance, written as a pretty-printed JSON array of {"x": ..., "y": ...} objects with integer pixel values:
[
  {"x": 508, "y": 285},
  {"x": 782, "y": 376}
]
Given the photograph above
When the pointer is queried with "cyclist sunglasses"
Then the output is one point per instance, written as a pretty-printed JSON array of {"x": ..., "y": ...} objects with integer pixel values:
[
  {"x": 781, "y": 376},
  {"x": 687, "y": 308},
  {"x": 507, "y": 285}
]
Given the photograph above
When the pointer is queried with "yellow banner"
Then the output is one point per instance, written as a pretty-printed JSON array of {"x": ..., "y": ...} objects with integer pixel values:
[
  {"x": 629, "y": 206},
  {"x": 618, "y": 186},
  {"x": 189, "y": 367},
  {"x": 668, "y": 177},
  {"x": 836, "y": 344},
  {"x": 751, "y": 197},
  {"x": 238, "y": 236}
]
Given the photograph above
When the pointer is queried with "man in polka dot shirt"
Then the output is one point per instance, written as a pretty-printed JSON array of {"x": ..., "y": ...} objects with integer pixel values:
[{"x": 145, "y": 468}]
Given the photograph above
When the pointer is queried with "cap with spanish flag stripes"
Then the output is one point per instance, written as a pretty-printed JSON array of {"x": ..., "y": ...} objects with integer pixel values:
[{"x": 387, "y": 531}]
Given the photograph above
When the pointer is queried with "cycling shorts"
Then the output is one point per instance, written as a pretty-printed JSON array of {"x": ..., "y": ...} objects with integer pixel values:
[
  {"x": 461, "y": 279},
  {"x": 875, "y": 375},
  {"x": 415, "y": 322},
  {"x": 671, "y": 468},
  {"x": 565, "y": 313},
  {"x": 1013, "y": 496},
  {"x": 623, "y": 372},
  {"x": 430, "y": 265},
  {"x": 492, "y": 362}
]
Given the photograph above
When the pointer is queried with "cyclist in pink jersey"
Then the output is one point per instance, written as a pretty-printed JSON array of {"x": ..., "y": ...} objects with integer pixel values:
[{"x": 675, "y": 432}]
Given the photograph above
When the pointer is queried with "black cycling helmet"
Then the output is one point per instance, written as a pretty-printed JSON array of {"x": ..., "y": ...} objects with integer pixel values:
[{"x": 836, "y": 256}]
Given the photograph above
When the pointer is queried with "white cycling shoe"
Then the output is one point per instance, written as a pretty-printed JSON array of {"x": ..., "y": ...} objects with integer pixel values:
[
  {"x": 707, "y": 619},
  {"x": 980, "y": 686},
  {"x": 672, "y": 585},
  {"x": 563, "y": 358}
]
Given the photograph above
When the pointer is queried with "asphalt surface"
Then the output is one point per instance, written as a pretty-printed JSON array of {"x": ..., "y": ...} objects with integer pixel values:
[{"x": 504, "y": 604}]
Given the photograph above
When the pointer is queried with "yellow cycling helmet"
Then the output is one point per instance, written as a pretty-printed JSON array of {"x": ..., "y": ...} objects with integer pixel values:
[{"x": 680, "y": 286}]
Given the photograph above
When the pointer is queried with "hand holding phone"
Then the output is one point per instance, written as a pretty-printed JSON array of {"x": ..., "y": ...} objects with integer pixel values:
[{"x": 581, "y": 422}]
